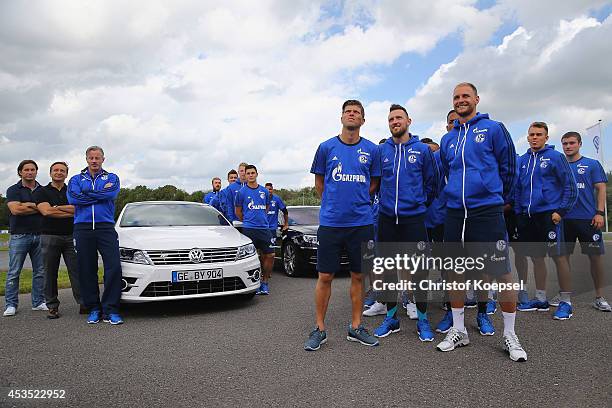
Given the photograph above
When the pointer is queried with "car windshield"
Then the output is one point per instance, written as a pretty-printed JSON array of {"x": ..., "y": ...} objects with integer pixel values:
[
  {"x": 167, "y": 215},
  {"x": 304, "y": 216}
]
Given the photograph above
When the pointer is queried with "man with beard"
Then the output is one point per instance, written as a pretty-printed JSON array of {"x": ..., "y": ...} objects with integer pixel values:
[
  {"x": 409, "y": 183},
  {"x": 479, "y": 160},
  {"x": 216, "y": 187}
]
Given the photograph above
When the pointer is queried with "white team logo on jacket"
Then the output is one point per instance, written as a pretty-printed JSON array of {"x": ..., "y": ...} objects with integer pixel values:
[
  {"x": 252, "y": 206},
  {"x": 412, "y": 158},
  {"x": 262, "y": 195}
]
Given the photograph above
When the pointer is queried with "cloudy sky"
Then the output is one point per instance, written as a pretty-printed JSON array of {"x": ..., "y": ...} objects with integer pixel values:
[{"x": 177, "y": 92}]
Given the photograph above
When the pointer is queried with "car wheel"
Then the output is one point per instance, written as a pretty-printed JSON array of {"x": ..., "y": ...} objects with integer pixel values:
[{"x": 290, "y": 262}]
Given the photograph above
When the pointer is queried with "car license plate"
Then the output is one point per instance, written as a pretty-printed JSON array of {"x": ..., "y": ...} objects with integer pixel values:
[{"x": 197, "y": 275}]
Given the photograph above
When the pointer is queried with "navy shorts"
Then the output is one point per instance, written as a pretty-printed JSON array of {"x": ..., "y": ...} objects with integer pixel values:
[
  {"x": 484, "y": 236},
  {"x": 262, "y": 239},
  {"x": 591, "y": 240},
  {"x": 539, "y": 236},
  {"x": 332, "y": 240}
]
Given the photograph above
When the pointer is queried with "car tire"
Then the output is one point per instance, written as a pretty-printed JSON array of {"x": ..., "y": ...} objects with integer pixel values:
[{"x": 290, "y": 263}]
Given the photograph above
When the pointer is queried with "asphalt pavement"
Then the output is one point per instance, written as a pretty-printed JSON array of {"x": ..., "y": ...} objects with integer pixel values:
[{"x": 225, "y": 352}]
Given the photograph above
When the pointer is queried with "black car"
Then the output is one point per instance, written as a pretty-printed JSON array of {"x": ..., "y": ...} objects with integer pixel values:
[{"x": 296, "y": 248}]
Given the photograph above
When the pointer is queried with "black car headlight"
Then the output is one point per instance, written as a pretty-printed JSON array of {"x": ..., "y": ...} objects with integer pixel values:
[
  {"x": 134, "y": 256},
  {"x": 246, "y": 251}
]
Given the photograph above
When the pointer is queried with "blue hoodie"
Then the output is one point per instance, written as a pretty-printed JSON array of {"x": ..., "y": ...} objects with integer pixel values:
[
  {"x": 479, "y": 161},
  {"x": 410, "y": 178},
  {"x": 546, "y": 183},
  {"x": 93, "y": 199}
]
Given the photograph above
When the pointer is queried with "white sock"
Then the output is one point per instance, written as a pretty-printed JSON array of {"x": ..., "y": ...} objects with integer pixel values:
[
  {"x": 540, "y": 295},
  {"x": 492, "y": 294},
  {"x": 458, "y": 319},
  {"x": 565, "y": 297},
  {"x": 509, "y": 319}
]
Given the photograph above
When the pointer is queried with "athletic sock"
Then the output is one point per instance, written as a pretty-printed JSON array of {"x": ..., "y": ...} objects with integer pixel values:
[
  {"x": 565, "y": 297},
  {"x": 509, "y": 319},
  {"x": 392, "y": 309},
  {"x": 482, "y": 307},
  {"x": 421, "y": 315},
  {"x": 540, "y": 295},
  {"x": 458, "y": 319},
  {"x": 492, "y": 294},
  {"x": 469, "y": 293}
]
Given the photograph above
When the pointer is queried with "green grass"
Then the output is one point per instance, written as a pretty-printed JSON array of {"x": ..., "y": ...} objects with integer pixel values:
[
  {"x": 25, "y": 280},
  {"x": 4, "y": 238}
]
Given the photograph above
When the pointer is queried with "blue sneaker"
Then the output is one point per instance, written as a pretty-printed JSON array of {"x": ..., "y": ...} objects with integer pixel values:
[
  {"x": 424, "y": 330},
  {"x": 564, "y": 311},
  {"x": 113, "y": 318},
  {"x": 446, "y": 323},
  {"x": 265, "y": 288},
  {"x": 532, "y": 305},
  {"x": 93, "y": 317},
  {"x": 258, "y": 291},
  {"x": 491, "y": 306},
  {"x": 369, "y": 299},
  {"x": 315, "y": 339},
  {"x": 361, "y": 335},
  {"x": 388, "y": 326},
  {"x": 485, "y": 326}
]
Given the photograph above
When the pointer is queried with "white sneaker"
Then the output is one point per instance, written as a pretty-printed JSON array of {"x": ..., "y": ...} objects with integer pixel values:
[
  {"x": 601, "y": 304},
  {"x": 10, "y": 311},
  {"x": 41, "y": 307},
  {"x": 411, "y": 311},
  {"x": 555, "y": 301},
  {"x": 376, "y": 309},
  {"x": 454, "y": 338},
  {"x": 514, "y": 348}
]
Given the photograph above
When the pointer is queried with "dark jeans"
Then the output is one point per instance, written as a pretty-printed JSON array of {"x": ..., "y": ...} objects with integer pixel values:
[
  {"x": 88, "y": 243},
  {"x": 54, "y": 247}
]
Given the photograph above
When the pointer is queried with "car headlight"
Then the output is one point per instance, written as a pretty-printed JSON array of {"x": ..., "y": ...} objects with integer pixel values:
[
  {"x": 311, "y": 239},
  {"x": 245, "y": 251},
  {"x": 134, "y": 256}
]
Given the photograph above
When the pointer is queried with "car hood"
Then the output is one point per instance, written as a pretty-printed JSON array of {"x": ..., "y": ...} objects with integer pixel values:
[
  {"x": 305, "y": 229},
  {"x": 157, "y": 238}
]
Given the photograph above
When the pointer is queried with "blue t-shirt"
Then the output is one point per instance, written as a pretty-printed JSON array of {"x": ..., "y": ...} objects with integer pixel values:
[
  {"x": 254, "y": 202},
  {"x": 587, "y": 172},
  {"x": 347, "y": 170},
  {"x": 276, "y": 205}
]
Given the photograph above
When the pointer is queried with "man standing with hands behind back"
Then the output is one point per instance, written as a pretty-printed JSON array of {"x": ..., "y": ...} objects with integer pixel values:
[{"x": 93, "y": 193}]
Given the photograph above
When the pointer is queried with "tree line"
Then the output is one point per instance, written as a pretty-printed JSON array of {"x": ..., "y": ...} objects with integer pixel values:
[{"x": 302, "y": 196}]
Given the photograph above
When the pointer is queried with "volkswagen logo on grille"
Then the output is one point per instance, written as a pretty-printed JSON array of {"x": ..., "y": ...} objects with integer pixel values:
[{"x": 196, "y": 255}]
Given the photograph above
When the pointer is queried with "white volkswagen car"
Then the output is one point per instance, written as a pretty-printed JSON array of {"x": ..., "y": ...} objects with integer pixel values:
[{"x": 174, "y": 250}]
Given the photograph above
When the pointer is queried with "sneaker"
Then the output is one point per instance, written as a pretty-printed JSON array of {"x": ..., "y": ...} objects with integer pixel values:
[
  {"x": 258, "y": 291},
  {"x": 485, "y": 325},
  {"x": 376, "y": 309},
  {"x": 563, "y": 312},
  {"x": 514, "y": 348},
  {"x": 388, "y": 326},
  {"x": 446, "y": 323},
  {"x": 470, "y": 303},
  {"x": 601, "y": 304},
  {"x": 9, "y": 311},
  {"x": 315, "y": 339},
  {"x": 533, "y": 304},
  {"x": 555, "y": 301},
  {"x": 454, "y": 338},
  {"x": 370, "y": 299},
  {"x": 93, "y": 317},
  {"x": 491, "y": 307},
  {"x": 113, "y": 318},
  {"x": 53, "y": 314},
  {"x": 265, "y": 288},
  {"x": 41, "y": 307},
  {"x": 361, "y": 335},
  {"x": 424, "y": 330},
  {"x": 411, "y": 311}
]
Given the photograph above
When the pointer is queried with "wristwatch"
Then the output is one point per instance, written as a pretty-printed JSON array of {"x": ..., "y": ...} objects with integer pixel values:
[{"x": 599, "y": 212}]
